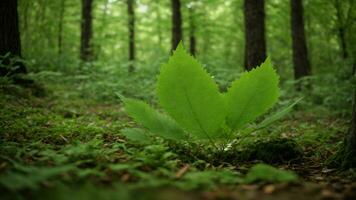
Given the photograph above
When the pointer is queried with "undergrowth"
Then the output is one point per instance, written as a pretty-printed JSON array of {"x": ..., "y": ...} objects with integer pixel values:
[{"x": 69, "y": 141}]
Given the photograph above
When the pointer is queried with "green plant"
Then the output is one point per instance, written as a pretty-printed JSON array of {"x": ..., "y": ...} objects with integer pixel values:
[
  {"x": 197, "y": 109},
  {"x": 268, "y": 174}
]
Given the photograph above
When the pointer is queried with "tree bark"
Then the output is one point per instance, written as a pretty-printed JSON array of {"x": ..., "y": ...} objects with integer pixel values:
[
  {"x": 192, "y": 38},
  {"x": 60, "y": 27},
  {"x": 345, "y": 158},
  {"x": 300, "y": 52},
  {"x": 10, "y": 41},
  {"x": 9, "y": 34},
  {"x": 350, "y": 141},
  {"x": 340, "y": 29},
  {"x": 131, "y": 28},
  {"x": 255, "y": 48},
  {"x": 177, "y": 33},
  {"x": 86, "y": 53},
  {"x": 343, "y": 45}
]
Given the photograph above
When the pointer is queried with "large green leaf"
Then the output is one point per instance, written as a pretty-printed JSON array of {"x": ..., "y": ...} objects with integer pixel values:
[
  {"x": 252, "y": 95},
  {"x": 157, "y": 123},
  {"x": 190, "y": 96}
]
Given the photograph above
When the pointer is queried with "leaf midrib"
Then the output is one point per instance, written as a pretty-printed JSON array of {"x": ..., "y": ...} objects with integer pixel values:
[{"x": 195, "y": 115}]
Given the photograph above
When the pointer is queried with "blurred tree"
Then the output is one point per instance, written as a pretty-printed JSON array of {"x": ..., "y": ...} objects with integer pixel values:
[
  {"x": 341, "y": 28},
  {"x": 86, "y": 53},
  {"x": 158, "y": 20},
  {"x": 345, "y": 27},
  {"x": 60, "y": 26},
  {"x": 300, "y": 52},
  {"x": 255, "y": 41},
  {"x": 10, "y": 38},
  {"x": 192, "y": 39},
  {"x": 177, "y": 33},
  {"x": 344, "y": 20},
  {"x": 345, "y": 158},
  {"x": 131, "y": 29},
  {"x": 350, "y": 141}
]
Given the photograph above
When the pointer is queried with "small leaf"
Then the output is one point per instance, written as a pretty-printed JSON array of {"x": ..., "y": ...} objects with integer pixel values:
[
  {"x": 136, "y": 135},
  {"x": 190, "y": 96},
  {"x": 268, "y": 174},
  {"x": 278, "y": 115},
  {"x": 252, "y": 95},
  {"x": 157, "y": 123}
]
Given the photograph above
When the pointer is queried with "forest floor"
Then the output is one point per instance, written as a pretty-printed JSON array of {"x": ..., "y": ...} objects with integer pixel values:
[{"x": 64, "y": 147}]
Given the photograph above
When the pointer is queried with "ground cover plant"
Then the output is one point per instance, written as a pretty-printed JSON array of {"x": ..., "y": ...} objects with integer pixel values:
[
  {"x": 197, "y": 110},
  {"x": 100, "y": 100}
]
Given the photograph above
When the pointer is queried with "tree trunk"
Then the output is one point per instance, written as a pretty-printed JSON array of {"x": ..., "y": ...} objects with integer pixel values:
[
  {"x": 341, "y": 28},
  {"x": 131, "y": 27},
  {"x": 60, "y": 27},
  {"x": 103, "y": 24},
  {"x": 86, "y": 31},
  {"x": 345, "y": 158},
  {"x": 300, "y": 52},
  {"x": 254, "y": 11},
  {"x": 350, "y": 141},
  {"x": 343, "y": 42},
  {"x": 9, "y": 34},
  {"x": 25, "y": 16},
  {"x": 158, "y": 23},
  {"x": 177, "y": 33},
  {"x": 192, "y": 38},
  {"x": 10, "y": 41}
]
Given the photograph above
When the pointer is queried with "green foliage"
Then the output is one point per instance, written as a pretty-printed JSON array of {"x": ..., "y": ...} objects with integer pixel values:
[
  {"x": 272, "y": 151},
  {"x": 191, "y": 97},
  {"x": 157, "y": 123},
  {"x": 136, "y": 135},
  {"x": 210, "y": 178},
  {"x": 30, "y": 177},
  {"x": 188, "y": 94},
  {"x": 252, "y": 95},
  {"x": 65, "y": 129},
  {"x": 268, "y": 174},
  {"x": 278, "y": 115}
]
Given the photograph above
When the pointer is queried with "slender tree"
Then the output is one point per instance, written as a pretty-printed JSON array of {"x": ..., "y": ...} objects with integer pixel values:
[
  {"x": 86, "y": 31},
  {"x": 103, "y": 25},
  {"x": 344, "y": 21},
  {"x": 300, "y": 52},
  {"x": 192, "y": 38},
  {"x": 350, "y": 141},
  {"x": 177, "y": 33},
  {"x": 158, "y": 22},
  {"x": 60, "y": 26},
  {"x": 10, "y": 42},
  {"x": 346, "y": 156},
  {"x": 131, "y": 29},
  {"x": 255, "y": 41},
  {"x": 341, "y": 28}
]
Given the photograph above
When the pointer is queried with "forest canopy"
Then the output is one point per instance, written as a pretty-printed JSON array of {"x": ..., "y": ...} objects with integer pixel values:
[{"x": 52, "y": 28}]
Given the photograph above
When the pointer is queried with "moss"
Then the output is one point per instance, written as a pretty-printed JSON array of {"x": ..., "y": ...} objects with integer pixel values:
[
  {"x": 278, "y": 150},
  {"x": 274, "y": 151}
]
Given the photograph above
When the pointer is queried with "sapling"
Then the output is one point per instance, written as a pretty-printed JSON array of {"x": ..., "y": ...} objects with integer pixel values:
[{"x": 195, "y": 109}]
